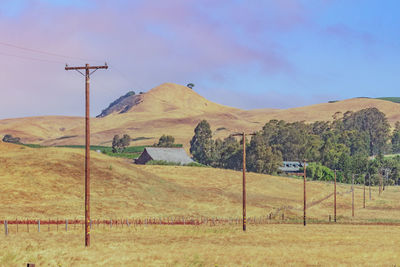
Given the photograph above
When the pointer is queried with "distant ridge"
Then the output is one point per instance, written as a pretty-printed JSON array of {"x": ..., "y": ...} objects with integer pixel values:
[{"x": 393, "y": 99}]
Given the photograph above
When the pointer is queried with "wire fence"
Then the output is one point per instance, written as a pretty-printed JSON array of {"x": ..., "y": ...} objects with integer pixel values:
[{"x": 28, "y": 225}]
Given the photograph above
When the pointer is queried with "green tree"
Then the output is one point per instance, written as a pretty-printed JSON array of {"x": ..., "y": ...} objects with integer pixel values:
[
  {"x": 395, "y": 140},
  {"x": 261, "y": 157},
  {"x": 374, "y": 123},
  {"x": 202, "y": 145},
  {"x": 166, "y": 141},
  {"x": 119, "y": 144}
]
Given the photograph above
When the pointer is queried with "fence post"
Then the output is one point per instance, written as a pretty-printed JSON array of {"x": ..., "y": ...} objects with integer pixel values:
[
  {"x": 329, "y": 218},
  {"x": 66, "y": 225},
  {"x": 6, "y": 227},
  {"x": 38, "y": 225}
]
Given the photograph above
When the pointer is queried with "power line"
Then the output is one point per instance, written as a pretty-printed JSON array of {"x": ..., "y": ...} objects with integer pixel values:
[
  {"x": 32, "y": 58},
  {"x": 45, "y": 52}
]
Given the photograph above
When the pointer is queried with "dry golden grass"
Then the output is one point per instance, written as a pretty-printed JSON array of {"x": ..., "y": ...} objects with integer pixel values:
[
  {"x": 48, "y": 183},
  {"x": 267, "y": 245},
  {"x": 176, "y": 110}
]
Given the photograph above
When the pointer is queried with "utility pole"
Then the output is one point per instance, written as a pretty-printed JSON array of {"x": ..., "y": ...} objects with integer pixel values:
[
  {"x": 334, "y": 199},
  {"x": 369, "y": 184},
  {"x": 386, "y": 181},
  {"x": 352, "y": 196},
  {"x": 87, "y": 74},
  {"x": 364, "y": 194},
  {"x": 244, "y": 175},
  {"x": 304, "y": 192}
]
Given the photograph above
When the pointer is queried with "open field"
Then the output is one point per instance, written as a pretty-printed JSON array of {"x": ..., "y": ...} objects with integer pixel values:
[
  {"x": 43, "y": 183},
  {"x": 176, "y": 110},
  {"x": 47, "y": 183},
  {"x": 269, "y": 245}
]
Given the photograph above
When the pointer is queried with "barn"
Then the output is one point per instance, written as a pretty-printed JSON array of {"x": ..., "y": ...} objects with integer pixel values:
[{"x": 170, "y": 154}]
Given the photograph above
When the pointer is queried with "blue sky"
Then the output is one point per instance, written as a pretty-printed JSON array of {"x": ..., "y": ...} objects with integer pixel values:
[{"x": 246, "y": 54}]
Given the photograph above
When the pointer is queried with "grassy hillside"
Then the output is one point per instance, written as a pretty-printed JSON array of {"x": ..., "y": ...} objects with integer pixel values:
[
  {"x": 48, "y": 183},
  {"x": 175, "y": 110}
]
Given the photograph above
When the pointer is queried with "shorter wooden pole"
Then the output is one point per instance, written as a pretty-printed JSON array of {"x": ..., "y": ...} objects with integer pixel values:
[
  {"x": 369, "y": 179},
  {"x": 334, "y": 197},
  {"x": 364, "y": 194},
  {"x": 352, "y": 196}
]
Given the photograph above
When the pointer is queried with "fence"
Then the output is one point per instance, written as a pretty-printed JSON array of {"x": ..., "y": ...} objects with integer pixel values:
[{"x": 66, "y": 224}]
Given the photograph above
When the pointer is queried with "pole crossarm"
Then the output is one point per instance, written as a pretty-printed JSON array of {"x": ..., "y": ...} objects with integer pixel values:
[{"x": 84, "y": 67}]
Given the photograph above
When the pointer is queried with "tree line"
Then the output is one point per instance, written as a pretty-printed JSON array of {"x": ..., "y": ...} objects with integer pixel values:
[{"x": 353, "y": 143}]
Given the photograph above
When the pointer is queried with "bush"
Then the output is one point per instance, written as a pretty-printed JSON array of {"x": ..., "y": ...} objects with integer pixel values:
[
  {"x": 9, "y": 139},
  {"x": 195, "y": 164},
  {"x": 318, "y": 172}
]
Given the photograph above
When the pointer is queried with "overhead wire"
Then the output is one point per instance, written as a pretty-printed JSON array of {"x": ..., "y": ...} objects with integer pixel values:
[
  {"x": 32, "y": 58},
  {"x": 46, "y": 52}
]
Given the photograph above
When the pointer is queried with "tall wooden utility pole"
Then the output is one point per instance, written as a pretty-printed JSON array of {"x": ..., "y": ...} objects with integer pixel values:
[
  {"x": 334, "y": 199},
  {"x": 244, "y": 175},
  {"x": 304, "y": 192},
  {"x": 352, "y": 196},
  {"x": 87, "y": 74}
]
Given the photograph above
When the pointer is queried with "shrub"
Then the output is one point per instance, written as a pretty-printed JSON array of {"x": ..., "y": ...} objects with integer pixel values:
[{"x": 10, "y": 139}]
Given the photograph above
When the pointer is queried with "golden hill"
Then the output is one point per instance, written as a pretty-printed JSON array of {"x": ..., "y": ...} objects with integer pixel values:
[
  {"x": 49, "y": 183},
  {"x": 175, "y": 110}
]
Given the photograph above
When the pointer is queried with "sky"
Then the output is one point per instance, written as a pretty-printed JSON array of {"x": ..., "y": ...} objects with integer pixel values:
[{"x": 247, "y": 54}]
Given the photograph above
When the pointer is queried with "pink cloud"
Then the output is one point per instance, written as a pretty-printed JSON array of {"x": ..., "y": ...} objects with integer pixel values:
[{"x": 192, "y": 42}]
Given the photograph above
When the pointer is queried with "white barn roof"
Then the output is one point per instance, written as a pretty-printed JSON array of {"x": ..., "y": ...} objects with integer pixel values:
[{"x": 170, "y": 154}]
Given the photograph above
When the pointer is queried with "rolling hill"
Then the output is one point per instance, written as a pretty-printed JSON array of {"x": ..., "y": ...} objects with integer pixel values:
[
  {"x": 48, "y": 183},
  {"x": 173, "y": 109}
]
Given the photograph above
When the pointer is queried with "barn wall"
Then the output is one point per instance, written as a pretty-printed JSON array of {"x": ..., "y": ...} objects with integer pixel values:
[{"x": 144, "y": 158}]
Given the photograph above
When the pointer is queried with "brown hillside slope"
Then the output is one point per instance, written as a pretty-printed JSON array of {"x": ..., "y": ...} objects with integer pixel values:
[
  {"x": 175, "y": 109},
  {"x": 325, "y": 111},
  {"x": 49, "y": 183}
]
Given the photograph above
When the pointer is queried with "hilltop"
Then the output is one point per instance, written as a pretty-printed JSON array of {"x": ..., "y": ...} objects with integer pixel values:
[{"x": 175, "y": 110}]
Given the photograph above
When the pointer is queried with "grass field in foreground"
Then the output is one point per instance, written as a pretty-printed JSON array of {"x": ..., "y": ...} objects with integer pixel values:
[{"x": 268, "y": 245}]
